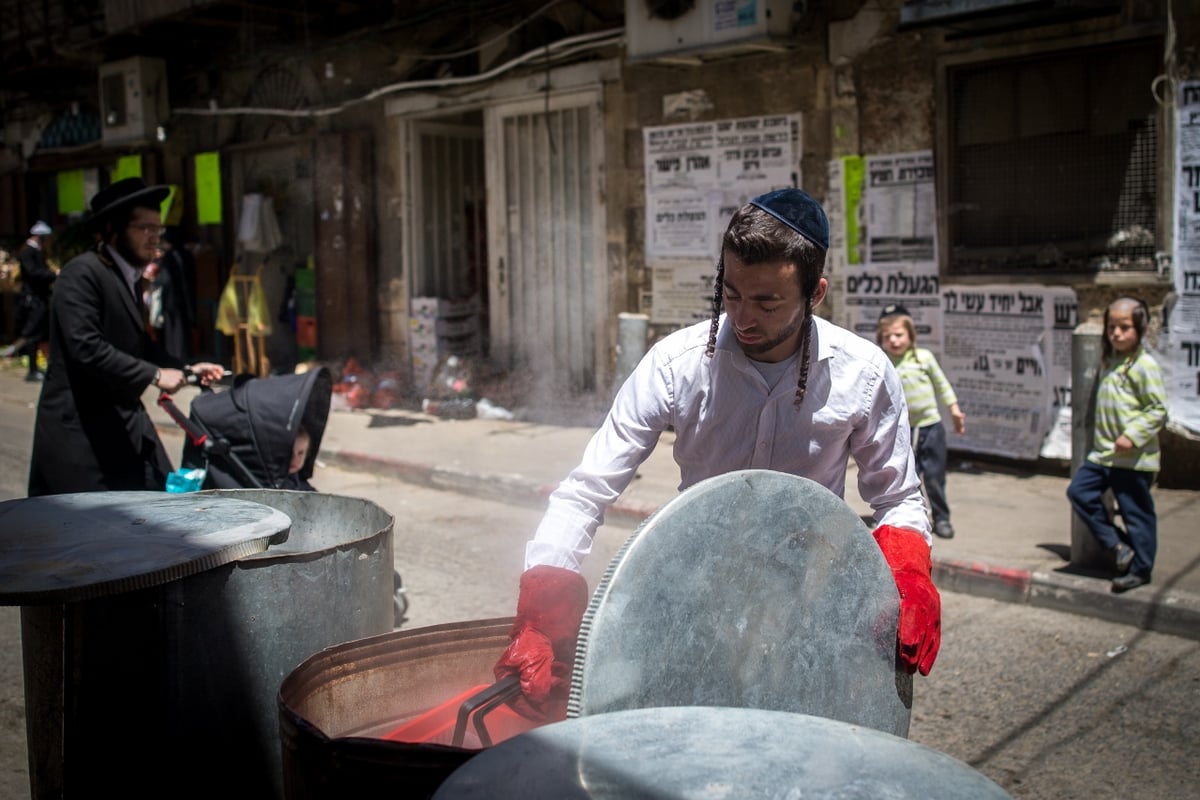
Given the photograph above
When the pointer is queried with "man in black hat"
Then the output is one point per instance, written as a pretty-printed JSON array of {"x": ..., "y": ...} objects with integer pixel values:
[
  {"x": 766, "y": 384},
  {"x": 92, "y": 431}
]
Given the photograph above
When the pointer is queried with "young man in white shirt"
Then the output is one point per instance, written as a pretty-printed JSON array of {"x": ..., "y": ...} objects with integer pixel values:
[{"x": 765, "y": 384}]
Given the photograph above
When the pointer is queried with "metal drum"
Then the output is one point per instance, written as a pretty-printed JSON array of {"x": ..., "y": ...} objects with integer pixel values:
[
  {"x": 336, "y": 708},
  {"x": 172, "y": 688},
  {"x": 247, "y": 626},
  {"x": 706, "y": 752}
]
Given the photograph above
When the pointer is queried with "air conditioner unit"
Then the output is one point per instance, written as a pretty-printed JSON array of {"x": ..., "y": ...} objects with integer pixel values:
[
  {"x": 133, "y": 99},
  {"x": 689, "y": 30}
]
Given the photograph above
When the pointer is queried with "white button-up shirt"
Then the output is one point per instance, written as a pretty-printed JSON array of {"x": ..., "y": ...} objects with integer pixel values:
[{"x": 726, "y": 418}]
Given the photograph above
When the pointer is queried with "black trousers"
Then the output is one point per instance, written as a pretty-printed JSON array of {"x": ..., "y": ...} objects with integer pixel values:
[
  {"x": 35, "y": 328},
  {"x": 930, "y": 450}
]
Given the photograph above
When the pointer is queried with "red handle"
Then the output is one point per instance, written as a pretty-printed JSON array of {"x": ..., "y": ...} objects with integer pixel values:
[{"x": 197, "y": 436}]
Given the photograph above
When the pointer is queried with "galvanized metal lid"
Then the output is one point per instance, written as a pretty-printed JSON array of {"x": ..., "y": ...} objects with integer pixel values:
[
  {"x": 753, "y": 589},
  {"x": 705, "y": 752},
  {"x": 71, "y": 547}
]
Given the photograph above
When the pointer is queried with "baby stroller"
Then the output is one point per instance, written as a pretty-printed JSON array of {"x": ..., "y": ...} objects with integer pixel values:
[{"x": 242, "y": 437}]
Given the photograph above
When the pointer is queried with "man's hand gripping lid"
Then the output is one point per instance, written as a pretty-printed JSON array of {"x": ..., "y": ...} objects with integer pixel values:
[{"x": 920, "y": 627}]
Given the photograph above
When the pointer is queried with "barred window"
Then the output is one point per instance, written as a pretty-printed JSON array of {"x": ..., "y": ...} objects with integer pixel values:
[{"x": 1053, "y": 161}]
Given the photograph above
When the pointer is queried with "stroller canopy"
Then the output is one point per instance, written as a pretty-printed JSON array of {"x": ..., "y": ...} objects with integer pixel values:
[{"x": 259, "y": 418}]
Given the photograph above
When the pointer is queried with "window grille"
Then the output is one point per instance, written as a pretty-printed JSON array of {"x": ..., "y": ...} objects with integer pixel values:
[{"x": 1054, "y": 162}]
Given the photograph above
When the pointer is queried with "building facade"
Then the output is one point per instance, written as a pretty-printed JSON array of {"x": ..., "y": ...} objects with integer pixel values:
[{"x": 499, "y": 179}]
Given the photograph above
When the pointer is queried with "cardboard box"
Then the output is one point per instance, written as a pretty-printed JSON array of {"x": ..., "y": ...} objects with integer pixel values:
[
  {"x": 470, "y": 344},
  {"x": 457, "y": 326}
]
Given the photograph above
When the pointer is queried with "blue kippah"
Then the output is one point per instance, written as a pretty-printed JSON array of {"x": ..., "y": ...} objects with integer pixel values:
[{"x": 797, "y": 210}]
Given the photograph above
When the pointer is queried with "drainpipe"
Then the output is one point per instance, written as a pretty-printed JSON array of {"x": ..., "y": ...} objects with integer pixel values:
[{"x": 1086, "y": 553}]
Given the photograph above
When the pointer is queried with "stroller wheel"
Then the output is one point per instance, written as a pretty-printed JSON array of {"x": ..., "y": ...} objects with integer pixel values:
[{"x": 399, "y": 600}]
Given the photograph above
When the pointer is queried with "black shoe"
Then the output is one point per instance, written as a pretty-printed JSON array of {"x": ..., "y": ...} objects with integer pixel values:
[
  {"x": 1122, "y": 556},
  {"x": 1130, "y": 581},
  {"x": 944, "y": 529},
  {"x": 34, "y": 377}
]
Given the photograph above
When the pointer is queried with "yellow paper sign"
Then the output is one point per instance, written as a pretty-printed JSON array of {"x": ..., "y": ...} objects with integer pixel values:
[{"x": 172, "y": 207}]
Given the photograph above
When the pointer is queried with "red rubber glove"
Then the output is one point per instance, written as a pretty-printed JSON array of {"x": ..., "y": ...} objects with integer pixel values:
[
  {"x": 542, "y": 651},
  {"x": 920, "y": 628}
]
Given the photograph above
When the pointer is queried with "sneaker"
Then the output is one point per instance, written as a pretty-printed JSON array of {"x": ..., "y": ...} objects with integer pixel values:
[
  {"x": 1130, "y": 581},
  {"x": 34, "y": 377},
  {"x": 9, "y": 351},
  {"x": 944, "y": 529},
  {"x": 1122, "y": 556}
]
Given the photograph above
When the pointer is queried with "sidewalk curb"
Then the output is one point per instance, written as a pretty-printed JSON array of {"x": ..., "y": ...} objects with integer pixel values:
[
  {"x": 1160, "y": 609},
  {"x": 507, "y": 488},
  {"x": 1156, "y": 608}
]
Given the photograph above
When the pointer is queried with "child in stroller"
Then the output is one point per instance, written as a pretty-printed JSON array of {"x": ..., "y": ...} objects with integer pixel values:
[{"x": 299, "y": 458}]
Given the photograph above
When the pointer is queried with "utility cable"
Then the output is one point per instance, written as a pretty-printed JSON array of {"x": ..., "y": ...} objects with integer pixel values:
[{"x": 561, "y": 49}]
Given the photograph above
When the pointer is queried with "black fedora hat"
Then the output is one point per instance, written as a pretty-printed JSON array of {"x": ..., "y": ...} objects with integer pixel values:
[{"x": 126, "y": 193}]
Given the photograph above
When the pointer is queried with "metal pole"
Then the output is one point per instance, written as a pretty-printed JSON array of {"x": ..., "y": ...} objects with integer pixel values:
[
  {"x": 631, "y": 344},
  {"x": 1086, "y": 552}
]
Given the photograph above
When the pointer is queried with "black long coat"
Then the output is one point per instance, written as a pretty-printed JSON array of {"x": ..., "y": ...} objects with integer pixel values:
[
  {"x": 37, "y": 279},
  {"x": 92, "y": 431}
]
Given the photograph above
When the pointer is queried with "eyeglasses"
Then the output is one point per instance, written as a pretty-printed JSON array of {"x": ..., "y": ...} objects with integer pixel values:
[{"x": 146, "y": 229}]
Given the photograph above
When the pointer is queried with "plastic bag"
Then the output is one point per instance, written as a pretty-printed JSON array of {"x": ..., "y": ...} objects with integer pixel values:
[
  {"x": 357, "y": 384},
  {"x": 228, "y": 309},
  {"x": 387, "y": 391},
  {"x": 485, "y": 409},
  {"x": 186, "y": 480},
  {"x": 450, "y": 393},
  {"x": 258, "y": 320},
  {"x": 451, "y": 379}
]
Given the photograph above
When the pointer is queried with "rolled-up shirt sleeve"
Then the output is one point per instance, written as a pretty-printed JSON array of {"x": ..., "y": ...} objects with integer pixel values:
[{"x": 627, "y": 437}]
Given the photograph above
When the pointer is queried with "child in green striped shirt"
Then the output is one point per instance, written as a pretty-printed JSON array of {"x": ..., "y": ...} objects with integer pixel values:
[
  {"x": 924, "y": 385},
  {"x": 1131, "y": 408}
]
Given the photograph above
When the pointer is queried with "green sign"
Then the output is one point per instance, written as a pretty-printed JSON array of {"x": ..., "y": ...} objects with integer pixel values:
[
  {"x": 208, "y": 188},
  {"x": 70, "y": 192}
]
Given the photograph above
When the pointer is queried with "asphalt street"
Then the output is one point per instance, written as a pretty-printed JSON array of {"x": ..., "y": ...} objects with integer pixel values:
[{"x": 1049, "y": 705}]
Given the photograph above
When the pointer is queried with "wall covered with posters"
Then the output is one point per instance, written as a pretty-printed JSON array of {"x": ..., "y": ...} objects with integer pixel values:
[
  {"x": 697, "y": 175},
  {"x": 1006, "y": 348},
  {"x": 1180, "y": 345}
]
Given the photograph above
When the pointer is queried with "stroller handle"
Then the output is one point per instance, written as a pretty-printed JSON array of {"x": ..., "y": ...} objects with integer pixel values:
[
  {"x": 197, "y": 436},
  {"x": 192, "y": 379},
  {"x": 195, "y": 433}
]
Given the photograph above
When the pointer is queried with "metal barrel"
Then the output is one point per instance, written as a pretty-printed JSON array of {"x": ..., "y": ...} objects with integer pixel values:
[
  {"x": 173, "y": 689},
  {"x": 336, "y": 708},
  {"x": 710, "y": 751}
]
